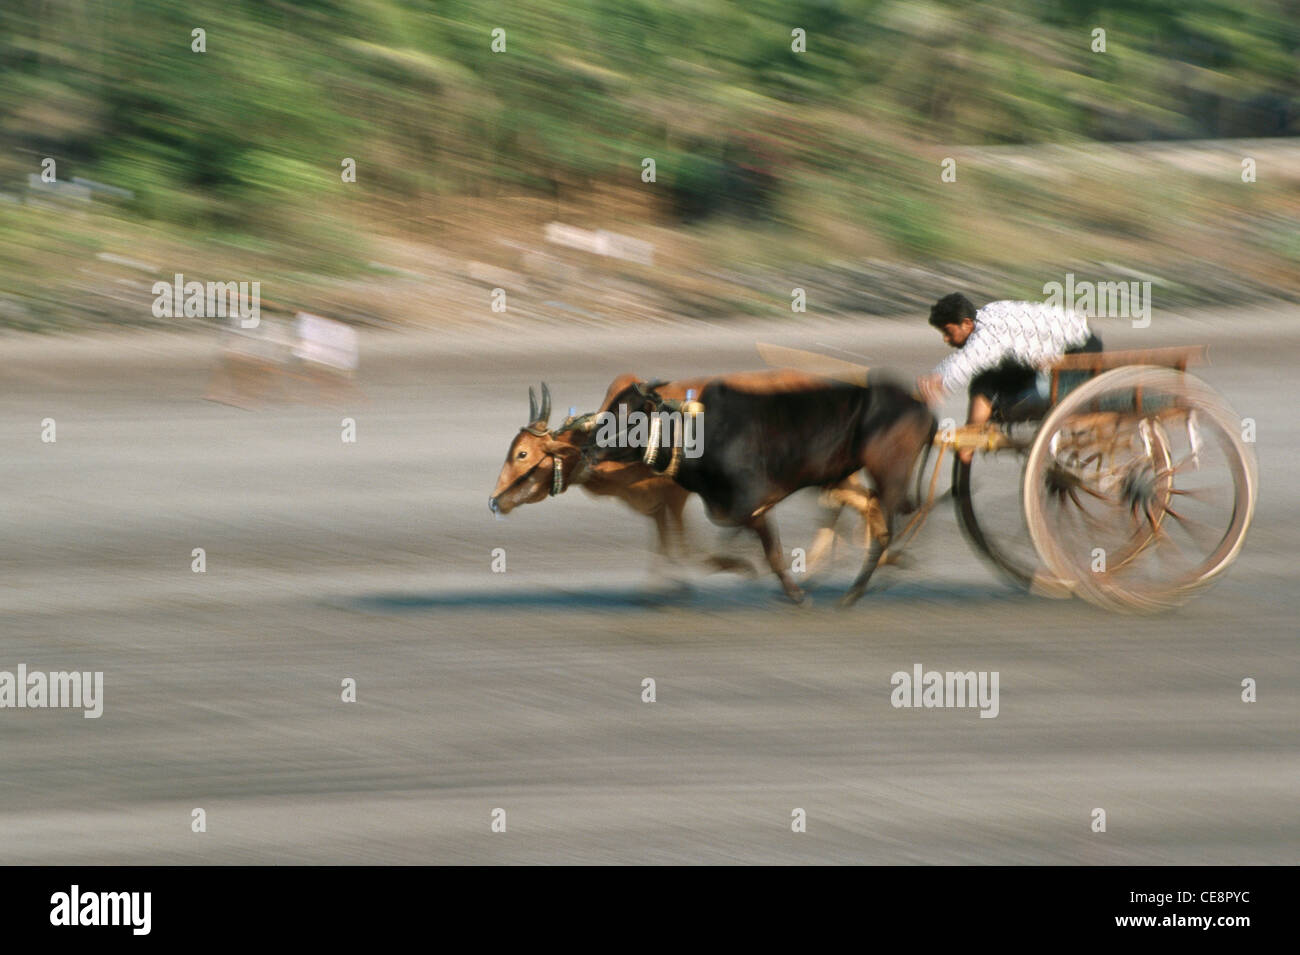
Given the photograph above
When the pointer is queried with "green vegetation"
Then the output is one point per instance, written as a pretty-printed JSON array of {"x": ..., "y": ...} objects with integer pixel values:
[{"x": 234, "y": 154}]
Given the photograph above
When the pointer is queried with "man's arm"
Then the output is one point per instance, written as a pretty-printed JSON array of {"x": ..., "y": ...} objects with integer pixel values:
[{"x": 986, "y": 347}]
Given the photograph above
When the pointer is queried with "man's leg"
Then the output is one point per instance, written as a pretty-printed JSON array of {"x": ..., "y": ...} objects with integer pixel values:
[
  {"x": 977, "y": 413},
  {"x": 997, "y": 388}
]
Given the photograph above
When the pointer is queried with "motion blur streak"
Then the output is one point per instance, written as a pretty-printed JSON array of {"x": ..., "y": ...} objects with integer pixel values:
[{"x": 440, "y": 204}]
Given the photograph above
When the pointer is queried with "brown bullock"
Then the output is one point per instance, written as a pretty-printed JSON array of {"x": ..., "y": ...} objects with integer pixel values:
[
  {"x": 764, "y": 445},
  {"x": 542, "y": 463}
]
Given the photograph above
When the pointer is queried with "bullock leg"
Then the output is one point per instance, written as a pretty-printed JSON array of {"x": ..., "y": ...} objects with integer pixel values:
[
  {"x": 876, "y": 528},
  {"x": 775, "y": 559},
  {"x": 850, "y": 493},
  {"x": 879, "y": 518},
  {"x": 867, "y": 503},
  {"x": 876, "y": 548},
  {"x": 725, "y": 563},
  {"x": 662, "y": 554},
  {"x": 674, "y": 507},
  {"x": 822, "y": 548},
  {"x": 888, "y": 458},
  {"x": 675, "y": 540},
  {"x": 663, "y": 562}
]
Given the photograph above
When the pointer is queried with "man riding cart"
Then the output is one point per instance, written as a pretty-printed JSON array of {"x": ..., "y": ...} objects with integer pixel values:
[{"x": 1001, "y": 349}]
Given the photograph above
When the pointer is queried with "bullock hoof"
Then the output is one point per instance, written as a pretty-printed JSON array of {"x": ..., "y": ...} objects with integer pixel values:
[
  {"x": 797, "y": 596},
  {"x": 720, "y": 564},
  {"x": 667, "y": 593},
  {"x": 849, "y": 599}
]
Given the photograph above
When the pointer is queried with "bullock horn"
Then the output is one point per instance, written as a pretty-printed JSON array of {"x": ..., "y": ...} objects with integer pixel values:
[
  {"x": 584, "y": 423},
  {"x": 532, "y": 405},
  {"x": 546, "y": 404}
]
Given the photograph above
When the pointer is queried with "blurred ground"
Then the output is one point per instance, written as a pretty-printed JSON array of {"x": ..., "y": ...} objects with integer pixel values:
[{"x": 522, "y": 690}]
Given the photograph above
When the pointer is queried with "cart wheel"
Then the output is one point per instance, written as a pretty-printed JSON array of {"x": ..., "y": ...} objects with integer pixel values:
[
  {"x": 986, "y": 493},
  {"x": 1139, "y": 488}
]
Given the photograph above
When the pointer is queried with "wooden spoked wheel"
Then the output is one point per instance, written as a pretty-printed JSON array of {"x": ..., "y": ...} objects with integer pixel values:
[
  {"x": 986, "y": 493},
  {"x": 1139, "y": 488}
]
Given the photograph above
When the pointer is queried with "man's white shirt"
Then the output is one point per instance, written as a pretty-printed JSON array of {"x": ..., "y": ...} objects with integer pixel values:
[{"x": 1030, "y": 333}]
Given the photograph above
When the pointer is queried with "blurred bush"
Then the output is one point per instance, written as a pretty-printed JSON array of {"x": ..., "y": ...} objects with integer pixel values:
[
  {"x": 286, "y": 87},
  {"x": 247, "y": 138}
]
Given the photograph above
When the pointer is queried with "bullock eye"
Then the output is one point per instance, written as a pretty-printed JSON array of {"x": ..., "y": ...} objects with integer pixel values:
[{"x": 522, "y": 455}]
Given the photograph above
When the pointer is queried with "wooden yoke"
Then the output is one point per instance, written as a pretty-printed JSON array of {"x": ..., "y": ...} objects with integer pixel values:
[{"x": 778, "y": 356}]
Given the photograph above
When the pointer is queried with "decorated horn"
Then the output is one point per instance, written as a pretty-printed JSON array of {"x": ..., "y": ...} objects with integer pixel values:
[
  {"x": 546, "y": 403},
  {"x": 532, "y": 405}
]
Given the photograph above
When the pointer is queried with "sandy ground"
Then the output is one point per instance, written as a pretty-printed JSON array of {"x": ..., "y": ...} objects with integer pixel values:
[{"x": 522, "y": 690}]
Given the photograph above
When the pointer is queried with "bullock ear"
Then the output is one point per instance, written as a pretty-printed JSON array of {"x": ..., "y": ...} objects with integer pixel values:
[{"x": 562, "y": 450}]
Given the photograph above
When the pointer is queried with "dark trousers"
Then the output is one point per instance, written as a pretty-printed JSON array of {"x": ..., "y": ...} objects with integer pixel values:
[{"x": 1012, "y": 388}]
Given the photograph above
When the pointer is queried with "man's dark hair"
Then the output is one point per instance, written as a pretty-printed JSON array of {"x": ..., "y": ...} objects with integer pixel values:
[{"x": 951, "y": 310}]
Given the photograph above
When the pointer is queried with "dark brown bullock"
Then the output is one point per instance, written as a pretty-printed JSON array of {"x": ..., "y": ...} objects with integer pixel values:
[
  {"x": 758, "y": 447},
  {"x": 543, "y": 462}
]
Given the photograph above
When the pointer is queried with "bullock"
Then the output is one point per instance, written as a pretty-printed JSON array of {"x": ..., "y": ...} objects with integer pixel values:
[
  {"x": 754, "y": 448},
  {"x": 544, "y": 462}
]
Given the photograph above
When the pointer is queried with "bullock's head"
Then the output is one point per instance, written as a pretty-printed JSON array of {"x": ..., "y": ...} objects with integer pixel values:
[{"x": 540, "y": 462}]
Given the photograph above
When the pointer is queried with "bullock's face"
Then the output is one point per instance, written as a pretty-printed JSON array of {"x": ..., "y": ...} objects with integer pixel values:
[
  {"x": 522, "y": 481},
  {"x": 526, "y": 475}
]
